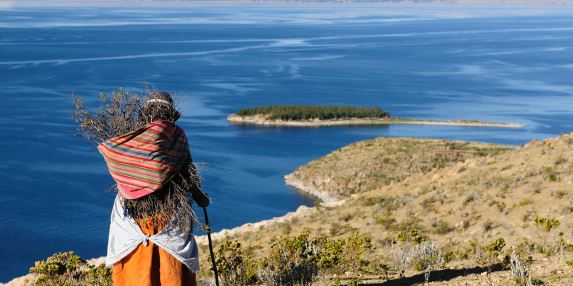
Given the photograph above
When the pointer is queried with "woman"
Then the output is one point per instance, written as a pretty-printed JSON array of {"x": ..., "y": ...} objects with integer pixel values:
[{"x": 150, "y": 239}]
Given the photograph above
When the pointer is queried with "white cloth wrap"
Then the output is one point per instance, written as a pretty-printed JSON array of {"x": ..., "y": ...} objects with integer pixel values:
[{"x": 125, "y": 235}]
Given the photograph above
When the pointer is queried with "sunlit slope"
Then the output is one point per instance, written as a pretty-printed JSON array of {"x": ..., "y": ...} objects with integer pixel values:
[
  {"x": 371, "y": 164},
  {"x": 458, "y": 201}
]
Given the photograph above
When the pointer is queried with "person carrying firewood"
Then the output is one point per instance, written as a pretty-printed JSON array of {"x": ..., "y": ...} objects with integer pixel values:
[{"x": 150, "y": 236}]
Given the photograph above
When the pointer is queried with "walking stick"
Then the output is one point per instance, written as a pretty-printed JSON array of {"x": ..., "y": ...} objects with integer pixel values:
[{"x": 208, "y": 229}]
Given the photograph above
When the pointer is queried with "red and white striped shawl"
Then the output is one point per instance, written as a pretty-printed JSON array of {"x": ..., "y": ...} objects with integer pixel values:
[{"x": 142, "y": 162}]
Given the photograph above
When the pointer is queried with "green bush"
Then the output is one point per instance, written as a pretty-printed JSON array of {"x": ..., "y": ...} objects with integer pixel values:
[
  {"x": 295, "y": 260},
  {"x": 411, "y": 235},
  {"x": 291, "y": 261},
  {"x": 345, "y": 254},
  {"x": 547, "y": 223},
  {"x": 495, "y": 247},
  {"x": 233, "y": 266},
  {"x": 308, "y": 112},
  {"x": 70, "y": 270},
  {"x": 490, "y": 253}
]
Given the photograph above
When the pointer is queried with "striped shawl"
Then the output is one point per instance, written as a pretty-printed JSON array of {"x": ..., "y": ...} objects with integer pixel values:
[{"x": 142, "y": 162}]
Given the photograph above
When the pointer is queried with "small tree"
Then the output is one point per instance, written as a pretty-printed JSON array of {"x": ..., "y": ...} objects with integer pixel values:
[
  {"x": 69, "y": 269},
  {"x": 291, "y": 261},
  {"x": 234, "y": 267},
  {"x": 490, "y": 253},
  {"x": 345, "y": 254},
  {"x": 547, "y": 223}
]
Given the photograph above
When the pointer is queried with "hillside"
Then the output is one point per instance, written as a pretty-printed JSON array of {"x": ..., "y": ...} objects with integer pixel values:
[
  {"x": 454, "y": 213},
  {"x": 523, "y": 196},
  {"x": 368, "y": 165}
]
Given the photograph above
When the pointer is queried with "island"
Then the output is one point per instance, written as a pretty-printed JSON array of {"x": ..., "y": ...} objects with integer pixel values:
[{"x": 321, "y": 116}]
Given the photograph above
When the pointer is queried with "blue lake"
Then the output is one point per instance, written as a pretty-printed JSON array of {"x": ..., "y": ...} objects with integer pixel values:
[{"x": 432, "y": 62}]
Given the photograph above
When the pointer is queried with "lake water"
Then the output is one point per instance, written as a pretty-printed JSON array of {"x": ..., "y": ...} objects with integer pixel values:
[{"x": 435, "y": 62}]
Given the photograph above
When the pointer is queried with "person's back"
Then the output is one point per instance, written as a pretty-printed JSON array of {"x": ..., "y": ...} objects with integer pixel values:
[{"x": 150, "y": 240}]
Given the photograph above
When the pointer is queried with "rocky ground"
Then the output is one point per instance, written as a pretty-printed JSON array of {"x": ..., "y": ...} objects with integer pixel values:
[{"x": 461, "y": 196}]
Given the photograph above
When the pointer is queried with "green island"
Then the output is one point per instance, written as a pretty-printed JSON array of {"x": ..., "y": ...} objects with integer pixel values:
[
  {"x": 309, "y": 112},
  {"x": 316, "y": 116}
]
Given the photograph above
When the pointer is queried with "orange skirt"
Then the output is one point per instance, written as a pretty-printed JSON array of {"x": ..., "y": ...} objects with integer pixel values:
[{"x": 151, "y": 266}]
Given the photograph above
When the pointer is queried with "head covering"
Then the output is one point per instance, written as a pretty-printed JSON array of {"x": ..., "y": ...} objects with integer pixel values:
[
  {"x": 143, "y": 161},
  {"x": 159, "y": 105},
  {"x": 159, "y": 97}
]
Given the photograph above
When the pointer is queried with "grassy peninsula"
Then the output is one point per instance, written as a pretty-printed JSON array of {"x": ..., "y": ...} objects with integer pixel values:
[
  {"x": 316, "y": 116},
  {"x": 417, "y": 210},
  {"x": 368, "y": 165}
]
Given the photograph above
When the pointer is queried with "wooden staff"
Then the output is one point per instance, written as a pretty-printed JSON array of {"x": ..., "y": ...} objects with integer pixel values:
[{"x": 208, "y": 229}]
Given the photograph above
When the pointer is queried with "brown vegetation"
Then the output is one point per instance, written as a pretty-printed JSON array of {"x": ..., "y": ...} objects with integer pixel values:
[
  {"x": 497, "y": 218},
  {"x": 463, "y": 216},
  {"x": 368, "y": 165}
]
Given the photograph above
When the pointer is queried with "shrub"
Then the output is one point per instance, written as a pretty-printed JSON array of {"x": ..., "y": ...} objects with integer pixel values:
[
  {"x": 442, "y": 227},
  {"x": 519, "y": 265},
  {"x": 69, "y": 269},
  {"x": 525, "y": 202},
  {"x": 298, "y": 260},
  {"x": 490, "y": 253},
  {"x": 550, "y": 174},
  {"x": 411, "y": 235},
  {"x": 425, "y": 256},
  {"x": 387, "y": 221},
  {"x": 234, "y": 268},
  {"x": 547, "y": 223},
  {"x": 98, "y": 275},
  {"x": 292, "y": 261},
  {"x": 495, "y": 247},
  {"x": 345, "y": 254}
]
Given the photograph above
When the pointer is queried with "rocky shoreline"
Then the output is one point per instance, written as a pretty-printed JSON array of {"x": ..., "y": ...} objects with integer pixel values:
[
  {"x": 324, "y": 198},
  {"x": 262, "y": 121},
  {"x": 292, "y": 181}
]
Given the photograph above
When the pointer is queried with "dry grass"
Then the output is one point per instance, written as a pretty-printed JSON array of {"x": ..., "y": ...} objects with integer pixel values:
[
  {"x": 463, "y": 206},
  {"x": 523, "y": 196},
  {"x": 368, "y": 165}
]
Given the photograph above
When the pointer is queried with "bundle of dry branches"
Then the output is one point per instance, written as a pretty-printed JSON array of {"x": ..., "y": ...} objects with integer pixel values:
[
  {"x": 118, "y": 114},
  {"x": 123, "y": 112}
]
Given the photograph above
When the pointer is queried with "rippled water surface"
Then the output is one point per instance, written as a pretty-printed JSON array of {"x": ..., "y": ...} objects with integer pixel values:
[{"x": 435, "y": 62}]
